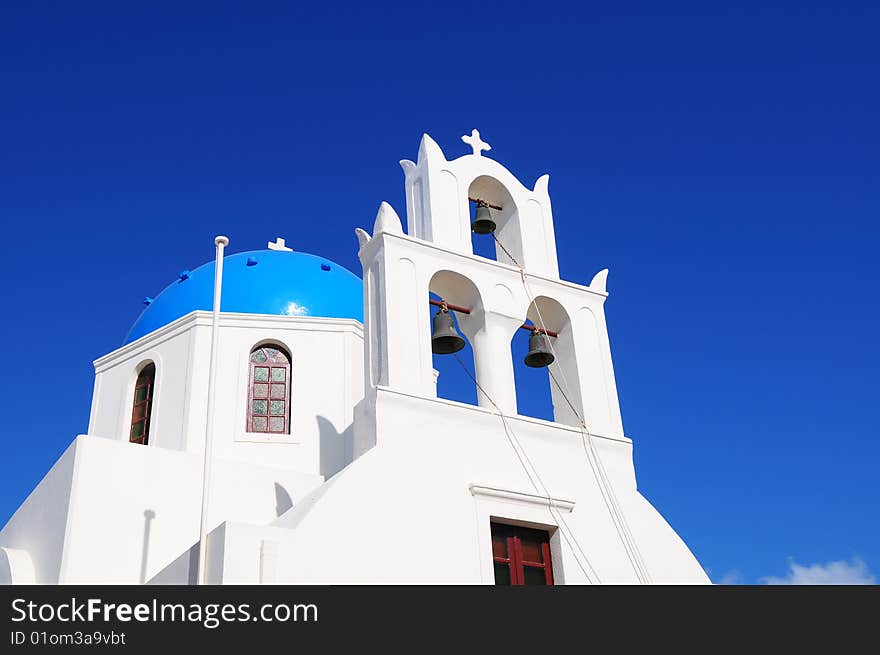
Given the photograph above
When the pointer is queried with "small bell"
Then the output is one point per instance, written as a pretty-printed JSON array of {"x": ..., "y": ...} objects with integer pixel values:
[
  {"x": 445, "y": 340},
  {"x": 539, "y": 354},
  {"x": 483, "y": 223}
]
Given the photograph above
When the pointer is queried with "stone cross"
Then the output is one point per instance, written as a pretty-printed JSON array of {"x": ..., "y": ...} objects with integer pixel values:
[
  {"x": 475, "y": 142},
  {"x": 278, "y": 245}
]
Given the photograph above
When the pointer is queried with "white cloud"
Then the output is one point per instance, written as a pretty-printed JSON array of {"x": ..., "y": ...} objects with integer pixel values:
[
  {"x": 295, "y": 309},
  {"x": 854, "y": 571},
  {"x": 731, "y": 577}
]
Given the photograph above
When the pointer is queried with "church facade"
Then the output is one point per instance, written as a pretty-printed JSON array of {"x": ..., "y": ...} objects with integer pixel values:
[{"x": 333, "y": 460}]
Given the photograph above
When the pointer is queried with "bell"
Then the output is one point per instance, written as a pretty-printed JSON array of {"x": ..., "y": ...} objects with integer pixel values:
[
  {"x": 539, "y": 354},
  {"x": 445, "y": 340},
  {"x": 483, "y": 223}
]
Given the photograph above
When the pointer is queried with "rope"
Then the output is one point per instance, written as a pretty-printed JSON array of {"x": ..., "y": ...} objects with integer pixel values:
[
  {"x": 618, "y": 518},
  {"x": 598, "y": 469},
  {"x": 507, "y": 252},
  {"x": 520, "y": 454},
  {"x": 609, "y": 497}
]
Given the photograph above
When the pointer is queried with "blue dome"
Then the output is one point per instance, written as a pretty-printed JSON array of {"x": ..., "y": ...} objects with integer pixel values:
[{"x": 259, "y": 282}]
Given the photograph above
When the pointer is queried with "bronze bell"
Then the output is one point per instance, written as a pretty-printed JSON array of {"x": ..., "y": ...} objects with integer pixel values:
[
  {"x": 483, "y": 223},
  {"x": 445, "y": 340},
  {"x": 540, "y": 353}
]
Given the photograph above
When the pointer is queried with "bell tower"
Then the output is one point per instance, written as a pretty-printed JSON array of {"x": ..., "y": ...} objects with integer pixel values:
[
  {"x": 492, "y": 299},
  {"x": 438, "y": 194}
]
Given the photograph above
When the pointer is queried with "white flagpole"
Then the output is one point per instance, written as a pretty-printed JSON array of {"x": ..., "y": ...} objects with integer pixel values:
[{"x": 221, "y": 242}]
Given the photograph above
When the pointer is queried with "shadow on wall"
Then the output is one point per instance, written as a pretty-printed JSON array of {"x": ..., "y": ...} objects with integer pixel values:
[
  {"x": 149, "y": 515},
  {"x": 183, "y": 570},
  {"x": 283, "y": 501},
  {"x": 337, "y": 448}
]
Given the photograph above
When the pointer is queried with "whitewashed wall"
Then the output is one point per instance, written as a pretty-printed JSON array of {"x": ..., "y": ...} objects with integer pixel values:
[
  {"x": 327, "y": 382},
  {"x": 417, "y": 507},
  {"x": 129, "y": 511}
]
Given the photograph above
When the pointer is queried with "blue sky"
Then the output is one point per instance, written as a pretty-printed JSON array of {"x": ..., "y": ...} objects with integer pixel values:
[{"x": 722, "y": 162}]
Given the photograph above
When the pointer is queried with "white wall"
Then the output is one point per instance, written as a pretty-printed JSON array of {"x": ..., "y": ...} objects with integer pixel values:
[
  {"x": 16, "y": 567},
  {"x": 171, "y": 349},
  {"x": 417, "y": 507},
  {"x": 327, "y": 382},
  {"x": 39, "y": 526},
  {"x": 112, "y": 511},
  {"x": 130, "y": 511}
]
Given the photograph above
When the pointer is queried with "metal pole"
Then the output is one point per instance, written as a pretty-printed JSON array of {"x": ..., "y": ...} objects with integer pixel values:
[
  {"x": 221, "y": 242},
  {"x": 455, "y": 308}
]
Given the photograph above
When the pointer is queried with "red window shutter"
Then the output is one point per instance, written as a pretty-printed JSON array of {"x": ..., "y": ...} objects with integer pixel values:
[
  {"x": 142, "y": 407},
  {"x": 521, "y": 555}
]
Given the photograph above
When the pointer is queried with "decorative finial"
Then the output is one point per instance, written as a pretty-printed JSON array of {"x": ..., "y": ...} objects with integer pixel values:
[
  {"x": 278, "y": 245},
  {"x": 387, "y": 220},
  {"x": 362, "y": 236},
  {"x": 600, "y": 281},
  {"x": 475, "y": 142}
]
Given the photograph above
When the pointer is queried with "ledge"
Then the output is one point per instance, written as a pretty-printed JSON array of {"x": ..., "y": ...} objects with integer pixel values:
[
  {"x": 491, "y": 262},
  {"x": 521, "y": 497},
  {"x": 266, "y": 437},
  {"x": 203, "y": 318},
  {"x": 517, "y": 418}
]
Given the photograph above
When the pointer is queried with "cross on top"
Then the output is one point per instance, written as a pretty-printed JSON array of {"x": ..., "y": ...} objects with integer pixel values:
[
  {"x": 475, "y": 142},
  {"x": 278, "y": 245}
]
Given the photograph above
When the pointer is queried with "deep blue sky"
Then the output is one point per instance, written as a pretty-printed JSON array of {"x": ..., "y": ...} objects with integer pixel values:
[{"x": 722, "y": 162}]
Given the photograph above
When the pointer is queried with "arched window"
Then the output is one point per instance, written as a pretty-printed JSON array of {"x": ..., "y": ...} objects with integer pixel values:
[
  {"x": 269, "y": 391},
  {"x": 143, "y": 405}
]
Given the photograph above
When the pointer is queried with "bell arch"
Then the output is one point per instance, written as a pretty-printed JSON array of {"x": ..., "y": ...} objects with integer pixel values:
[
  {"x": 438, "y": 209},
  {"x": 561, "y": 376},
  {"x": 456, "y": 291},
  {"x": 508, "y": 230}
]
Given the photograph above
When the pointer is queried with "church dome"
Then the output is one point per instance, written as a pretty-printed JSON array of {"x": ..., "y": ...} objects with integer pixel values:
[{"x": 259, "y": 282}]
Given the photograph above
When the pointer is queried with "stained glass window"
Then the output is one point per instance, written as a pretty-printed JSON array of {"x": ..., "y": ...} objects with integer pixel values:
[
  {"x": 143, "y": 405},
  {"x": 268, "y": 407}
]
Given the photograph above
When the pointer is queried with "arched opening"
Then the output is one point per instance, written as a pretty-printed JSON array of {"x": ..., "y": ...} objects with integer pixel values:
[
  {"x": 504, "y": 244},
  {"x": 269, "y": 383},
  {"x": 551, "y": 392},
  {"x": 142, "y": 405},
  {"x": 455, "y": 373},
  {"x": 533, "y": 397}
]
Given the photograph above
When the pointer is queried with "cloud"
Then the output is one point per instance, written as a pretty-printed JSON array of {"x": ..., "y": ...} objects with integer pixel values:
[
  {"x": 731, "y": 577},
  {"x": 854, "y": 571},
  {"x": 295, "y": 309}
]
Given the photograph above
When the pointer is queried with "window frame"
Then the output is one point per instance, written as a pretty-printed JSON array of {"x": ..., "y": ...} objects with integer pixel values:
[
  {"x": 514, "y": 558},
  {"x": 150, "y": 386},
  {"x": 250, "y": 415}
]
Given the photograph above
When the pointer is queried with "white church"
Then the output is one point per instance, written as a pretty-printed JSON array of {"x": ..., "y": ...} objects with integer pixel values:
[{"x": 296, "y": 436}]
